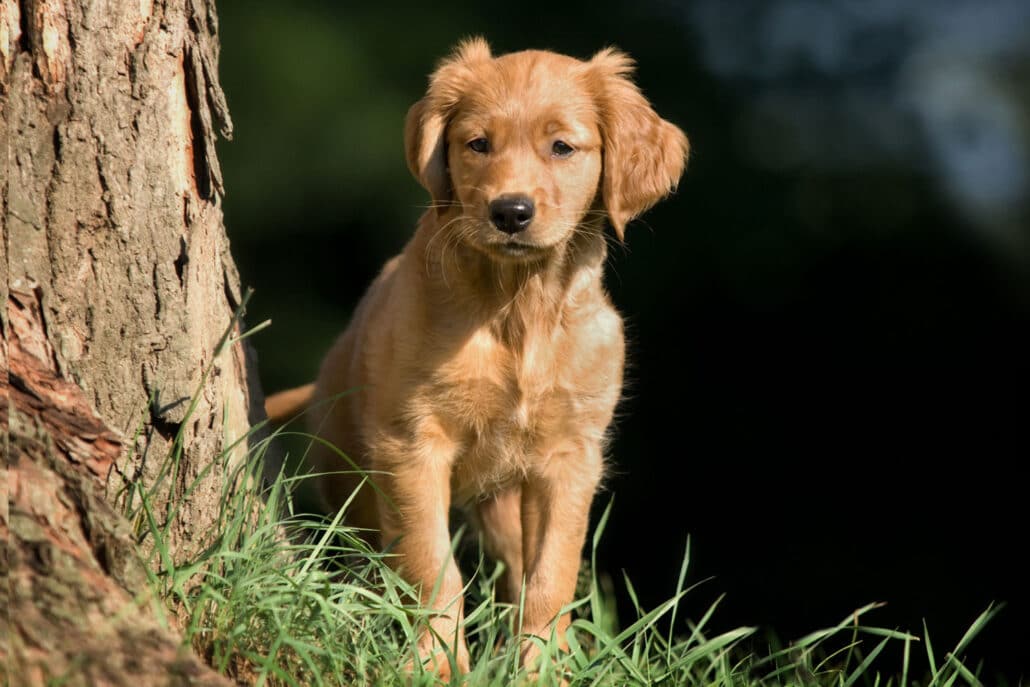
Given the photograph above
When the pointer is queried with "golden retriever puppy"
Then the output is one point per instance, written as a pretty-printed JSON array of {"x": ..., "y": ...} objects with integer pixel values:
[{"x": 485, "y": 361}]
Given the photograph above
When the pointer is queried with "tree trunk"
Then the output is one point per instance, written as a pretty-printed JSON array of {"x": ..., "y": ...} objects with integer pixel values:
[{"x": 118, "y": 285}]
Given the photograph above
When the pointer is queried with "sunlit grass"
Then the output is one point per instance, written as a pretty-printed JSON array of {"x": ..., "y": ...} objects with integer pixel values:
[
  {"x": 280, "y": 597},
  {"x": 283, "y": 598}
]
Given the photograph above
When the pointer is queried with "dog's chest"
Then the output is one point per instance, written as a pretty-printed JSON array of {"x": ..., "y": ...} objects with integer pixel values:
[
  {"x": 499, "y": 390},
  {"x": 505, "y": 405}
]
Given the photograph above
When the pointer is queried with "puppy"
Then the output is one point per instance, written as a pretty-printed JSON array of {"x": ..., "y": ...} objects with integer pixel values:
[{"x": 485, "y": 361}]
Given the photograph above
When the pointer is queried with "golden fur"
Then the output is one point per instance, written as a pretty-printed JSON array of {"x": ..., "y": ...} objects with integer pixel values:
[{"x": 484, "y": 367}]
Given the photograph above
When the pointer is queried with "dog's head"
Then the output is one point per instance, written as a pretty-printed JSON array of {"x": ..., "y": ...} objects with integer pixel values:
[{"x": 517, "y": 150}]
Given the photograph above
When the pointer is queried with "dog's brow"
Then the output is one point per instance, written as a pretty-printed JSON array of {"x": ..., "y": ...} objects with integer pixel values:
[{"x": 554, "y": 125}]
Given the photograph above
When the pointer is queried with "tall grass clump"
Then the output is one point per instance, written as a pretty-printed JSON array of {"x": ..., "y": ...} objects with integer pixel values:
[{"x": 280, "y": 597}]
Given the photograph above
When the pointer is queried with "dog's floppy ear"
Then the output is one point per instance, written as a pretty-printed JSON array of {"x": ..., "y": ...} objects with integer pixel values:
[
  {"x": 644, "y": 155},
  {"x": 426, "y": 124},
  {"x": 425, "y": 149}
]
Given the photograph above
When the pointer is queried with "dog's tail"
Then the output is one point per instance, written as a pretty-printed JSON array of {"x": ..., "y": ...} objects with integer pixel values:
[{"x": 286, "y": 405}]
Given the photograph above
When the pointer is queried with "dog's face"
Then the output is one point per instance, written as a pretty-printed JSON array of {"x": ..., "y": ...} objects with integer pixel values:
[
  {"x": 524, "y": 153},
  {"x": 520, "y": 150}
]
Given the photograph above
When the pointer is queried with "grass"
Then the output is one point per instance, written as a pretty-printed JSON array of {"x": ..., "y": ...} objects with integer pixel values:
[
  {"x": 279, "y": 597},
  {"x": 282, "y": 598}
]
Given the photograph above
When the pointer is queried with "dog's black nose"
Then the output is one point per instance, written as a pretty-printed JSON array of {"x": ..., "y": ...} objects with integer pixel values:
[{"x": 512, "y": 214}]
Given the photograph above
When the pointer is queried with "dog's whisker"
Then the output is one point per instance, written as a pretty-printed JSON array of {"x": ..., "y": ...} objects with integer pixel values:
[{"x": 449, "y": 237}]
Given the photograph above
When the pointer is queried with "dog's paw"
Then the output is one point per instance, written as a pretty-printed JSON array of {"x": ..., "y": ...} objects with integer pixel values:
[
  {"x": 435, "y": 658},
  {"x": 532, "y": 661}
]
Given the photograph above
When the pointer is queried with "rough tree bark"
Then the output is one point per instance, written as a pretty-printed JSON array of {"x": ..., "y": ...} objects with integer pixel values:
[{"x": 118, "y": 283}]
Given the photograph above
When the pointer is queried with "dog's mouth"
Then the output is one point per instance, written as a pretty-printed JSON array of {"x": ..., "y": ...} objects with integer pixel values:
[
  {"x": 522, "y": 246},
  {"x": 515, "y": 249}
]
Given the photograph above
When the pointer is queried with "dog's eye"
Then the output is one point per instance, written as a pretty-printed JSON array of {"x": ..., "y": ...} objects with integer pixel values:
[
  {"x": 562, "y": 149},
  {"x": 479, "y": 145}
]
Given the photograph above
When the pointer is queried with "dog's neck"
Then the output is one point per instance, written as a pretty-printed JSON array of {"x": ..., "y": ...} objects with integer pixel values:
[{"x": 506, "y": 295}]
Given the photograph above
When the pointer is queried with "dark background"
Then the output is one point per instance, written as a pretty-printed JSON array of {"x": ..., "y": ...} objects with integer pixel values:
[{"x": 829, "y": 323}]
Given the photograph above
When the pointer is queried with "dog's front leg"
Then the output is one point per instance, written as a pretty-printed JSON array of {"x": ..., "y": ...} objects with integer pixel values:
[
  {"x": 415, "y": 528},
  {"x": 555, "y": 513}
]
